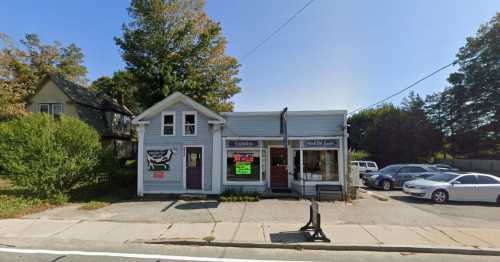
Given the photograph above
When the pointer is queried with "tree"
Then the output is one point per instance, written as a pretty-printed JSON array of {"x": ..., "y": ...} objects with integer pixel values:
[
  {"x": 21, "y": 68},
  {"x": 469, "y": 107},
  {"x": 172, "y": 45},
  {"x": 119, "y": 86}
]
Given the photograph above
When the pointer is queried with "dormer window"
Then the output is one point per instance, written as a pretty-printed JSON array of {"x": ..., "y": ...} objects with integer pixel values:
[
  {"x": 55, "y": 109},
  {"x": 168, "y": 124},
  {"x": 189, "y": 119}
]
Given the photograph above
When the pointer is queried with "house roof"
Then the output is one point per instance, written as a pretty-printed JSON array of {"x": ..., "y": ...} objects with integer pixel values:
[
  {"x": 174, "y": 98},
  {"x": 80, "y": 94}
]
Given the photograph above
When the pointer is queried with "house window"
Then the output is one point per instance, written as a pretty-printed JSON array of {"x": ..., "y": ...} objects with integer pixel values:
[
  {"x": 320, "y": 165},
  {"x": 243, "y": 165},
  {"x": 168, "y": 124},
  {"x": 55, "y": 109},
  {"x": 189, "y": 123}
]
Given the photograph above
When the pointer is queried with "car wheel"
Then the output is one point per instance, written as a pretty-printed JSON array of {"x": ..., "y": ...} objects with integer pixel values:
[
  {"x": 440, "y": 196},
  {"x": 386, "y": 185}
]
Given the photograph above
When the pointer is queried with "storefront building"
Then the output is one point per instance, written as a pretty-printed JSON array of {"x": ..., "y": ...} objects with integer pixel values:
[{"x": 186, "y": 148}]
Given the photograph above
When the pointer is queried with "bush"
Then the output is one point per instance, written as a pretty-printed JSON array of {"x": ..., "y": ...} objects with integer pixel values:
[
  {"x": 233, "y": 196},
  {"x": 48, "y": 157}
]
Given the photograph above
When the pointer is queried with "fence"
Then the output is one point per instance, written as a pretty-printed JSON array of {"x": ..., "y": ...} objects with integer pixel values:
[{"x": 478, "y": 165}]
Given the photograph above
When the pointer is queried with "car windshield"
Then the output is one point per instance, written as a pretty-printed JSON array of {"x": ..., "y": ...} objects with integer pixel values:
[
  {"x": 445, "y": 177},
  {"x": 433, "y": 169},
  {"x": 389, "y": 169}
]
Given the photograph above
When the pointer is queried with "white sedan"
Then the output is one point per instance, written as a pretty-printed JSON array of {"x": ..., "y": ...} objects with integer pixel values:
[{"x": 456, "y": 187}]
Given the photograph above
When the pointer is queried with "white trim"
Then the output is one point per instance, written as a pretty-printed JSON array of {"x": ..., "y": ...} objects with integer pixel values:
[
  {"x": 294, "y": 113},
  {"x": 172, "y": 99},
  {"x": 141, "y": 129},
  {"x": 202, "y": 169},
  {"x": 281, "y": 137},
  {"x": 184, "y": 114},
  {"x": 167, "y": 113},
  {"x": 216, "y": 158}
]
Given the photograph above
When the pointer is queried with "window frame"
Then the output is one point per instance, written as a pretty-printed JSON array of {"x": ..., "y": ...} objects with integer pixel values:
[
  {"x": 488, "y": 177},
  {"x": 184, "y": 114},
  {"x": 50, "y": 107},
  {"x": 167, "y": 113},
  {"x": 262, "y": 168}
]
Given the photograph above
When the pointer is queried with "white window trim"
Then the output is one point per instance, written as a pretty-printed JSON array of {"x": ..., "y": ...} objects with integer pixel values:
[
  {"x": 224, "y": 166},
  {"x": 44, "y": 104},
  {"x": 302, "y": 165},
  {"x": 163, "y": 114},
  {"x": 50, "y": 108},
  {"x": 184, "y": 113}
]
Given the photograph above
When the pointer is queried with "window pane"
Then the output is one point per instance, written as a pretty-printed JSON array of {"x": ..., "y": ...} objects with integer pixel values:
[
  {"x": 44, "y": 108},
  {"x": 57, "y": 109},
  {"x": 296, "y": 164},
  {"x": 486, "y": 180},
  {"x": 362, "y": 164},
  {"x": 168, "y": 130},
  {"x": 371, "y": 164},
  {"x": 321, "y": 165},
  {"x": 168, "y": 119},
  {"x": 189, "y": 119},
  {"x": 243, "y": 166},
  {"x": 467, "y": 180},
  {"x": 189, "y": 129}
]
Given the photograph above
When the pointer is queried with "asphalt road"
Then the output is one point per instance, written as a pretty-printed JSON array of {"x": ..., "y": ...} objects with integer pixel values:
[
  {"x": 60, "y": 252},
  {"x": 451, "y": 210}
]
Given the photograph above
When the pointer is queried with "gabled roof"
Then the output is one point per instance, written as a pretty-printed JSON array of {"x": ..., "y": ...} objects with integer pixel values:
[
  {"x": 174, "y": 98},
  {"x": 81, "y": 95}
]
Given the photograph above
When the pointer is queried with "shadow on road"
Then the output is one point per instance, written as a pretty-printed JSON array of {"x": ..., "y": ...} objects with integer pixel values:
[{"x": 198, "y": 205}]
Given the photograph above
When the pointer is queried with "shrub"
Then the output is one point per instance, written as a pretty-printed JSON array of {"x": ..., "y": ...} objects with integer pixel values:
[
  {"x": 46, "y": 156},
  {"x": 234, "y": 196}
]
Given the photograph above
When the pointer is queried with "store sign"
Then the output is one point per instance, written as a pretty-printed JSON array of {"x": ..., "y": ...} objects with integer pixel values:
[
  {"x": 243, "y": 163},
  {"x": 242, "y": 143},
  {"x": 158, "y": 174},
  {"x": 158, "y": 160},
  {"x": 243, "y": 168},
  {"x": 321, "y": 143}
]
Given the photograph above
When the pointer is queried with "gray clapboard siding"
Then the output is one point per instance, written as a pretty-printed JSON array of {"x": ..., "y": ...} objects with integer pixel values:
[
  {"x": 269, "y": 125},
  {"x": 153, "y": 139}
]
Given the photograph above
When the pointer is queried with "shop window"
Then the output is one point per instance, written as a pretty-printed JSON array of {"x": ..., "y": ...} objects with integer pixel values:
[
  {"x": 320, "y": 165},
  {"x": 243, "y": 166}
]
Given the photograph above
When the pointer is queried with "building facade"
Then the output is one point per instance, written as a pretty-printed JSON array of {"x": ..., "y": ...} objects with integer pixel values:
[{"x": 185, "y": 147}]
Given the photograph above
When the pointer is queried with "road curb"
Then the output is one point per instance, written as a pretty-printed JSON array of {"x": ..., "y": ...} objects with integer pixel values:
[
  {"x": 338, "y": 247},
  {"x": 374, "y": 195}
]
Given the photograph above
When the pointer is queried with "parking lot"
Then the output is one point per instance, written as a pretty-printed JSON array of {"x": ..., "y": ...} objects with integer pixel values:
[{"x": 473, "y": 211}]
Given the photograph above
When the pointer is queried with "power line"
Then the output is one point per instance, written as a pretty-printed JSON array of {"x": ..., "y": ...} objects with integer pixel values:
[
  {"x": 276, "y": 31},
  {"x": 404, "y": 89}
]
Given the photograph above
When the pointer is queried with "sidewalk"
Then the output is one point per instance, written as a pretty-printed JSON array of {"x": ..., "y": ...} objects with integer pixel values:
[{"x": 249, "y": 233}]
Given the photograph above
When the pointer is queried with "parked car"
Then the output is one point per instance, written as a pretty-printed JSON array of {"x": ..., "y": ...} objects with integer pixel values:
[
  {"x": 365, "y": 166},
  {"x": 456, "y": 186},
  {"x": 394, "y": 176},
  {"x": 446, "y": 168}
]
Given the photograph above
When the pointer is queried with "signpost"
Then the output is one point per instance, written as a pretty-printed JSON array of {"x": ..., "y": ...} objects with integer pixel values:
[{"x": 314, "y": 224}]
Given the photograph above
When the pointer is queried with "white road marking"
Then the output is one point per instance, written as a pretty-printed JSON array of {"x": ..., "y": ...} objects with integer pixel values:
[{"x": 131, "y": 255}]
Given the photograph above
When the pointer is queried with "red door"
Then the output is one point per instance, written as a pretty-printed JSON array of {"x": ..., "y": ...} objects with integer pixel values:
[
  {"x": 193, "y": 168},
  {"x": 279, "y": 168}
]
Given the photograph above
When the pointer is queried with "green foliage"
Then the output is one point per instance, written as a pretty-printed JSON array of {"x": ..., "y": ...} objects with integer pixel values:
[
  {"x": 172, "y": 45},
  {"x": 22, "y": 68},
  {"x": 392, "y": 134},
  {"x": 468, "y": 111},
  {"x": 93, "y": 205},
  {"x": 233, "y": 196},
  {"x": 48, "y": 157},
  {"x": 120, "y": 86},
  {"x": 359, "y": 155},
  {"x": 119, "y": 172}
]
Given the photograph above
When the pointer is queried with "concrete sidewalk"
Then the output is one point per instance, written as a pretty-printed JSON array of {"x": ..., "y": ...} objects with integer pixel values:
[{"x": 257, "y": 233}]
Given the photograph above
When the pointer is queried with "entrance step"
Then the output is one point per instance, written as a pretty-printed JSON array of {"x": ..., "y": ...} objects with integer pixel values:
[{"x": 190, "y": 197}]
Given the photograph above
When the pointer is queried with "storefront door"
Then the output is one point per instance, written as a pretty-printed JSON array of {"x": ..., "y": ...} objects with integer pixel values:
[
  {"x": 279, "y": 167},
  {"x": 194, "y": 168}
]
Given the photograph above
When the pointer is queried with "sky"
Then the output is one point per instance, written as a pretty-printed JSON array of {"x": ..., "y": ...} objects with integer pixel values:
[{"x": 334, "y": 55}]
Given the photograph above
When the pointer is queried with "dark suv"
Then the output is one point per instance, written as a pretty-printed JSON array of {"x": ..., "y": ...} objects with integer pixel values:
[{"x": 394, "y": 176}]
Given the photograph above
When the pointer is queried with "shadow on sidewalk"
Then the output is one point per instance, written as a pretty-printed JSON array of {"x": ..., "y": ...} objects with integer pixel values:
[
  {"x": 198, "y": 205},
  {"x": 288, "y": 237}
]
